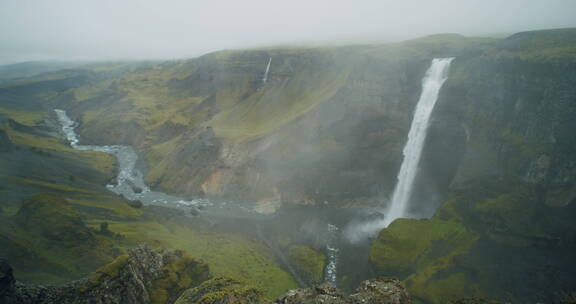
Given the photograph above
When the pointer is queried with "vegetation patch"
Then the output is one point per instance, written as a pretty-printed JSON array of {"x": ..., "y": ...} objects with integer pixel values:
[
  {"x": 420, "y": 251},
  {"x": 222, "y": 290},
  {"x": 309, "y": 262},
  {"x": 180, "y": 272}
]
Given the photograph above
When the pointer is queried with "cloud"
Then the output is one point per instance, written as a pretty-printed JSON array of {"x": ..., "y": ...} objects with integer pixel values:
[{"x": 107, "y": 29}]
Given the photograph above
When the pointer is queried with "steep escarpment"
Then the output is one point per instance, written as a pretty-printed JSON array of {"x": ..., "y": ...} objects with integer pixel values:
[
  {"x": 328, "y": 124},
  {"x": 515, "y": 107},
  {"x": 346, "y": 147},
  {"x": 506, "y": 230}
]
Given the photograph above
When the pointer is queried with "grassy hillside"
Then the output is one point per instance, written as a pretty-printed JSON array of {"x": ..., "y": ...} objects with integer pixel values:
[
  {"x": 490, "y": 239},
  {"x": 54, "y": 207}
]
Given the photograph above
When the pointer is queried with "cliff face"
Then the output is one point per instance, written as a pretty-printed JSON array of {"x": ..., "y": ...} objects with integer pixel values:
[
  {"x": 515, "y": 108},
  {"x": 338, "y": 149},
  {"x": 328, "y": 124},
  {"x": 506, "y": 229}
]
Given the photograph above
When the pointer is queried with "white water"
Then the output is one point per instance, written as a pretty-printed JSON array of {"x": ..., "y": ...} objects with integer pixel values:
[
  {"x": 330, "y": 274},
  {"x": 399, "y": 204},
  {"x": 265, "y": 78}
]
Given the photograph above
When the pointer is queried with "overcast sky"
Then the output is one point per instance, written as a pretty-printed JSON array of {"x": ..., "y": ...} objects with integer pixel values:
[{"x": 139, "y": 29}]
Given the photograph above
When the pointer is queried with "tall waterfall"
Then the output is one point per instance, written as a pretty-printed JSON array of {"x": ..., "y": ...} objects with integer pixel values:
[
  {"x": 265, "y": 78},
  {"x": 433, "y": 81},
  {"x": 399, "y": 204}
]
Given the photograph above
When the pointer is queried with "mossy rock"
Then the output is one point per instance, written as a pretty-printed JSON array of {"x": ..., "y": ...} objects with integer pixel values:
[
  {"x": 420, "y": 252},
  {"x": 111, "y": 270},
  {"x": 180, "y": 272},
  {"x": 222, "y": 290},
  {"x": 408, "y": 243},
  {"x": 144, "y": 274},
  {"x": 481, "y": 243}
]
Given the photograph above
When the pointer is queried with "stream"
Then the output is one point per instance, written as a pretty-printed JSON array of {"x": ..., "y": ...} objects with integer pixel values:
[{"x": 130, "y": 184}]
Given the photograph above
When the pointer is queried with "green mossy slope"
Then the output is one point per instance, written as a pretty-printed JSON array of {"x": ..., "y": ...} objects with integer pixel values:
[
  {"x": 309, "y": 262},
  {"x": 482, "y": 242},
  {"x": 54, "y": 204}
]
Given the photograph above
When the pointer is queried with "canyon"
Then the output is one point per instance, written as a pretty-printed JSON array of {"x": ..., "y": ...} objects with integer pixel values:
[{"x": 289, "y": 142}]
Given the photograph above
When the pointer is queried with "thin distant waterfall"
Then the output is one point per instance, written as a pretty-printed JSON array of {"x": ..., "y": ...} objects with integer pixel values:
[
  {"x": 399, "y": 204},
  {"x": 265, "y": 78},
  {"x": 431, "y": 85}
]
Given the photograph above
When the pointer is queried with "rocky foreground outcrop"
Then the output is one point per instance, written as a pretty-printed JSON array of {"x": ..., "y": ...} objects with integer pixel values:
[
  {"x": 220, "y": 291},
  {"x": 376, "y": 291},
  {"x": 146, "y": 276},
  {"x": 142, "y": 276}
]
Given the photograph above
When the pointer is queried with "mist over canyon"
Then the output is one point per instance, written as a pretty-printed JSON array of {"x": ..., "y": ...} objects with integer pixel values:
[{"x": 447, "y": 162}]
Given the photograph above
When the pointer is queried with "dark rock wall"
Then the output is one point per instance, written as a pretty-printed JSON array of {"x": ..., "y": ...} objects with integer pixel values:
[{"x": 506, "y": 229}]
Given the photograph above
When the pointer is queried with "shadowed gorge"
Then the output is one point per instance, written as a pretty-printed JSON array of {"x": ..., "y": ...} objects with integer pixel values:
[{"x": 241, "y": 175}]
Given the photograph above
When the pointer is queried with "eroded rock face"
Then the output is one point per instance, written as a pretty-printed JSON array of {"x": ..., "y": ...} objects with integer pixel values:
[
  {"x": 141, "y": 276},
  {"x": 376, "y": 291}
]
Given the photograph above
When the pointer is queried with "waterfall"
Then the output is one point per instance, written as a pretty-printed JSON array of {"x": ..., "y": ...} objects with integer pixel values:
[
  {"x": 332, "y": 255},
  {"x": 399, "y": 204},
  {"x": 265, "y": 78},
  {"x": 433, "y": 81}
]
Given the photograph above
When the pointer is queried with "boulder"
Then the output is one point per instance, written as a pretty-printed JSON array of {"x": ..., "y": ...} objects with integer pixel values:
[
  {"x": 375, "y": 291},
  {"x": 325, "y": 293},
  {"x": 221, "y": 291},
  {"x": 381, "y": 291}
]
